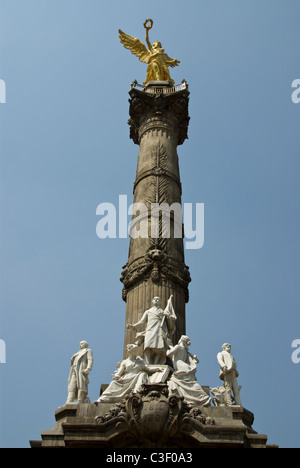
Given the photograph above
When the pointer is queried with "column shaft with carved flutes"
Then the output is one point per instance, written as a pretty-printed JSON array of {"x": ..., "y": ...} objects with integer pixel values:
[{"x": 156, "y": 267}]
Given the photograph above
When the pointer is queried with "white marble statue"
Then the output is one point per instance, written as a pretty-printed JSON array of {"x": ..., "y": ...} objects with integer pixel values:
[
  {"x": 131, "y": 374},
  {"x": 160, "y": 326},
  {"x": 81, "y": 366},
  {"x": 229, "y": 374},
  {"x": 183, "y": 381}
]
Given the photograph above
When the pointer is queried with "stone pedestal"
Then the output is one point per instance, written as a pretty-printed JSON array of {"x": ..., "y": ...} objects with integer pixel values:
[{"x": 151, "y": 419}]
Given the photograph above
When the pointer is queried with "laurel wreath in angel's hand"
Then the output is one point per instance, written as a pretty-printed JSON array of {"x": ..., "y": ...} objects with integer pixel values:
[{"x": 146, "y": 26}]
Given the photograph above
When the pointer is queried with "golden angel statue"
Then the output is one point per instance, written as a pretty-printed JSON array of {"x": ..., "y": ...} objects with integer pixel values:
[{"x": 158, "y": 61}]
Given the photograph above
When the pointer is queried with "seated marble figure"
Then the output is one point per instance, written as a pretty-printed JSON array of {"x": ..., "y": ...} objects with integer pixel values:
[
  {"x": 131, "y": 374},
  {"x": 183, "y": 381}
]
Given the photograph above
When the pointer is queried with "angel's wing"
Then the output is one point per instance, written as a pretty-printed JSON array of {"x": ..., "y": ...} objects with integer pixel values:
[{"x": 135, "y": 46}]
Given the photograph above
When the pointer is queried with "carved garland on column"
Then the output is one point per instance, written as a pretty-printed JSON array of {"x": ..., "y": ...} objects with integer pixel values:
[{"x": 155, "y": 265}]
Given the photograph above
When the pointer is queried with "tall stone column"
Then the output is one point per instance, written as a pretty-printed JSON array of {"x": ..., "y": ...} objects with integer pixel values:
[{"x": 156, "y": 267}]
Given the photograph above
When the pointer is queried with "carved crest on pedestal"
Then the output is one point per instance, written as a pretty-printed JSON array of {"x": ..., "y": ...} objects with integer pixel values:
[{"x": 151, "y": 415}]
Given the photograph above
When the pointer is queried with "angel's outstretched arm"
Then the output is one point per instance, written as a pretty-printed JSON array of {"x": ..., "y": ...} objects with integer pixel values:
[
  {"x": 147, "y": 39},
  {"x": 171, "y": 62}
]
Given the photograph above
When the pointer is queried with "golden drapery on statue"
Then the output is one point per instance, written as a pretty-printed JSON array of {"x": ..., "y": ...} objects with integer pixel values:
[{"x": 156, "y": 58}]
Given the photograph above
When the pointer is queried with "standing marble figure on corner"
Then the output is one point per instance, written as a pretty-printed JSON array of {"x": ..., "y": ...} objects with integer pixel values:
[
  {"x": 81, "y": 366},
  {"x": 229, "y": 373}
]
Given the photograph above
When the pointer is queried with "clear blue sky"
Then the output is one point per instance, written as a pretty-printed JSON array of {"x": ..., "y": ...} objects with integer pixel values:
[{"x": 65, "y": 148}]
